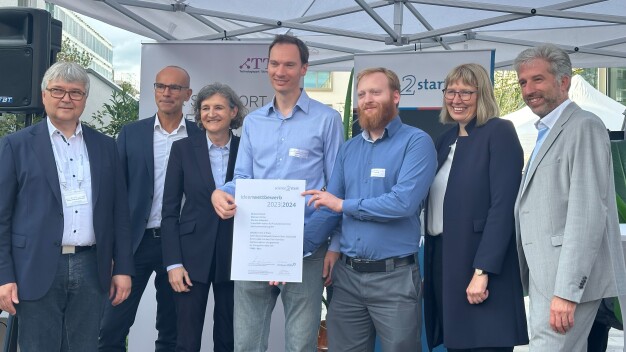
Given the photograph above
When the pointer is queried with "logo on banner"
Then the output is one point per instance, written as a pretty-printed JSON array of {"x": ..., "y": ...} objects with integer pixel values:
[
  {"x": 254, "y": 65},
  {"x": 6, "y": 100}
]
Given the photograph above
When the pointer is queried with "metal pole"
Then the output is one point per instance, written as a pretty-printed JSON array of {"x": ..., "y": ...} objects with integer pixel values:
[{"x": 10, "y": 338}]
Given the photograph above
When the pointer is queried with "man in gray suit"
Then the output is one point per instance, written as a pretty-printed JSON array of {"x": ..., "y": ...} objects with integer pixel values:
[{"x": 568, "y": 236}]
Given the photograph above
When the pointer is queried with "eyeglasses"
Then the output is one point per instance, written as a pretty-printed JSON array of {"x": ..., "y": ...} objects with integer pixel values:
[
  {"x": 465, "y": 95},
  {"x": 59, "y": 93},
  {"x": 174, "y": 88}
]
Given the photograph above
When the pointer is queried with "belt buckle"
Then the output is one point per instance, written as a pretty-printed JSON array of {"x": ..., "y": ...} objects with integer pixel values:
[
  {"x": 359, "y": 264},
  {"x": 156, "y": 232}
]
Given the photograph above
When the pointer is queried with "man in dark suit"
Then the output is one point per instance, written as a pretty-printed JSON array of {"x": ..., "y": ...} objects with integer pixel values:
[
  {"x": 64, "y": 227},
  {"x": 144, "y": 150}
]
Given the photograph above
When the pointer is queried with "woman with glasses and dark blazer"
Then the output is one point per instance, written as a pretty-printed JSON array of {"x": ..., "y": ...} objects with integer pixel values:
[{"x": 473, "y": 293}]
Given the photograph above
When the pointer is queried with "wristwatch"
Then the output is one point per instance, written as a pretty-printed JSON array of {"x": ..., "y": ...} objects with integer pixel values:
[{"x": 479, "y": 272}]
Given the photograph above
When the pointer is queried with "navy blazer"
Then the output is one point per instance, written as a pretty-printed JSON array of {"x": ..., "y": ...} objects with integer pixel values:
[
  {"x": 31, "y": 210},
  {"x": 478, "y": 232},
  {"x": 136, "y": 147},
  {"x": 191, "y": 236}
]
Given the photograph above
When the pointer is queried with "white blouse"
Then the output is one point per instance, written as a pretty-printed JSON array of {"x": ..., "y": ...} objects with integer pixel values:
[{"x": 437, "y": 194}]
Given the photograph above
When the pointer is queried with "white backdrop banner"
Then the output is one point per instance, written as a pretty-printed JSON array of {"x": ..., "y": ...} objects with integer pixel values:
[
  {"x": 243, "y": 66},
  {"x": 422, "y": 74}
]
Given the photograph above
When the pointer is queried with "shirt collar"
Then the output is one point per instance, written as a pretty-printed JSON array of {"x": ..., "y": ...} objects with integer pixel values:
[
  {"x": 392, "y": 127},
  {"x": 181, "y": 124},
  {"x": 52, "y": 129},
  {"x": 211, "y": 145},
  {"x": 302, "y": 103},
  {"x": 550, "y": 119}
]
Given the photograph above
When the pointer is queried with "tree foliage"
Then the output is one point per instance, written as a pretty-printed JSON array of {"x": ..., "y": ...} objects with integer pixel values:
[
  {"x": 507, "y": 92},
  {"x": 121, "y": 109},
  {"x": 71, "y": 53},
  {"x": 10, "y": 123}
]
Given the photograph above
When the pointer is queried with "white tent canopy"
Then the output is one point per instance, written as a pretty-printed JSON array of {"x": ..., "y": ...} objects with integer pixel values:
[
  {"x": 583, "y": 94},
  {"x": 593, "y": 31}
]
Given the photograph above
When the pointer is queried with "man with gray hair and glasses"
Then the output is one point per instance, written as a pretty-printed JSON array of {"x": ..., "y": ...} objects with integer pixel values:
[
  {"x": 64, "y": 240},
  {"x": 568, "y": 238}
]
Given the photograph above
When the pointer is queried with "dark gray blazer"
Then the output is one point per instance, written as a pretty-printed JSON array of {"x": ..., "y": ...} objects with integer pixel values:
[{"x": 135, "y": 145}]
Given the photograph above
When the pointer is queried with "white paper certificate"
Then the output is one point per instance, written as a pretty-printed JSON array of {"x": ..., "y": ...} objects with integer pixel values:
[{"x": 268, "y": 230}]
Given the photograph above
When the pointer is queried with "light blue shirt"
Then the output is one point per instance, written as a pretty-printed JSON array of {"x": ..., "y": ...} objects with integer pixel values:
[
  {"x": 219, "y": 161},
  {"x": 547, "y": 122},
  {"x": 301, "y": 146},
  {"x": 383, "y": 184}
]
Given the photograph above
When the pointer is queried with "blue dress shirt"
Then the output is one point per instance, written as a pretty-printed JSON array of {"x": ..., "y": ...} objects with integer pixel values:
[
  {"x": 301, "y": 146},
  {"x": 218, "y": 157},
  {"x": 383, "y": 184}
]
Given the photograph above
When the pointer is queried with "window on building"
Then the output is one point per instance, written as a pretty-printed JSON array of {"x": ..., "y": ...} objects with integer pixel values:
[
  {"x": 318, "y": 80},
  {"x": 616, "y": 82}
]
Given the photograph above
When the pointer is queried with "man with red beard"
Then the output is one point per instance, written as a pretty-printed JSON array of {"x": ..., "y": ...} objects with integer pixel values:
[{"x": 379, "y": 182}]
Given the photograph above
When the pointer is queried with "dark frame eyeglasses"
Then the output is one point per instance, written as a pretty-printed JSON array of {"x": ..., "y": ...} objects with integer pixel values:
[
  {"x": 59, "y": 93},
  {"x": 465, "y": 95},
  {"x": 174, "y": 88}
]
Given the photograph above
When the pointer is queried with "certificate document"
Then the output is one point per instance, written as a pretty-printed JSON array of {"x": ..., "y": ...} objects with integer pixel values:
[{"x": 268, "y": 230}]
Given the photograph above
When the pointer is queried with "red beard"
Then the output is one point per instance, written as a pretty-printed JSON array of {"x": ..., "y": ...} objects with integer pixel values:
[{"x": 375, "y": 120}]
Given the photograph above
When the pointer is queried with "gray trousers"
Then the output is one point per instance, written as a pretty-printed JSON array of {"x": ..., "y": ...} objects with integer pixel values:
[
  {"x": 544, "y": 339},
  {"x": 366, "y": 305}
]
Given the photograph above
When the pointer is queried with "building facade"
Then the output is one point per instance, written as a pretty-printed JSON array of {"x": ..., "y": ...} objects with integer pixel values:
[{"x": 79, "y": 33}]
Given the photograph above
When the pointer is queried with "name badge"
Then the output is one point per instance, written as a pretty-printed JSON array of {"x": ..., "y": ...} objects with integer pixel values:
[
  {"x": 377, "y": 173},
  {"x": 298, "y": 153},
  {"x": 74, "y": 197}
]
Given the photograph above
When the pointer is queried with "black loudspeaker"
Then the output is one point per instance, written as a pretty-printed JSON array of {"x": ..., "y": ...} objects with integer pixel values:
[
  {"x": 56, "y": 38},
  {"x": 25, "y": 55}
]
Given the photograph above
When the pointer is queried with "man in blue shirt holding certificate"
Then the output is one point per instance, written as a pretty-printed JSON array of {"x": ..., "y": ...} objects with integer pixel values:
[
  {"x": 293, "y": 137},
  {"x": 379, "y": 182}
]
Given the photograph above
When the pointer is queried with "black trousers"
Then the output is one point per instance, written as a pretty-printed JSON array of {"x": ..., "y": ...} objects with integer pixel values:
[
  {"x": 116, "y": 321},
  {"x": 191, "y": 309}
]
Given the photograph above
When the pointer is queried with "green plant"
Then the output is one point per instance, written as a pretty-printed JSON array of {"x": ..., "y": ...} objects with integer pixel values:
[
  {"x": 10, "y": 123},
  {"x": 121, "y": 109},
  {"x": 347, "y": 110},
  {"x": 70, "y": 53}
]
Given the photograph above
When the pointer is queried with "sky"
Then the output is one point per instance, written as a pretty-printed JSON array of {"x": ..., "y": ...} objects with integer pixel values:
[{"x": 126, "y": 46}]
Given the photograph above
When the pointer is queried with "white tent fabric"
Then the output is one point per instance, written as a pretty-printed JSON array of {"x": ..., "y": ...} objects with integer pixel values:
[
  {"x": 593, "y": 31},
  {"x": 583, "y": 94}
]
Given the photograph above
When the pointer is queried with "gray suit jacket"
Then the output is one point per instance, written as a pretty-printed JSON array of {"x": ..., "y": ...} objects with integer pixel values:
[{"x": 568, "y": 236}]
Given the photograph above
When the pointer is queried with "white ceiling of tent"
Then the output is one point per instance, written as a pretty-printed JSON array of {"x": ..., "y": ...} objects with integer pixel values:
[{"x": 593, "y": 31}]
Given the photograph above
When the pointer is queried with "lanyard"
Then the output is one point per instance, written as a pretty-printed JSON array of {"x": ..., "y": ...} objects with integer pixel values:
[{"x": 80, "y": 172}]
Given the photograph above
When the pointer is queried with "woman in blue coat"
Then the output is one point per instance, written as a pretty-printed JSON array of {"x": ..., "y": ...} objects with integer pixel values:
[{"x": 473, "y": 293}]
